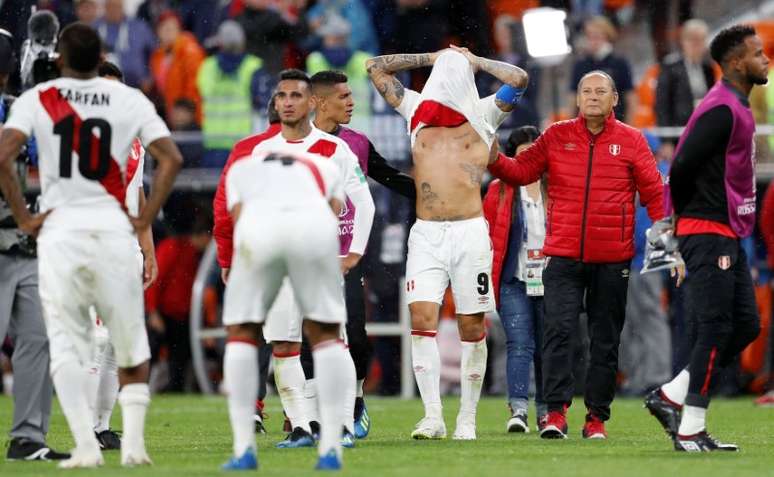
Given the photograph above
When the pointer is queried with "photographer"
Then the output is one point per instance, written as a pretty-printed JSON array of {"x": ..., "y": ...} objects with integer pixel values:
[{"x": 20, "y": 314}]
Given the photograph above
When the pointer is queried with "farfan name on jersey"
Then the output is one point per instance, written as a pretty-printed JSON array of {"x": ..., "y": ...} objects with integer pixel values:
[{"x": 85, "y": 98}]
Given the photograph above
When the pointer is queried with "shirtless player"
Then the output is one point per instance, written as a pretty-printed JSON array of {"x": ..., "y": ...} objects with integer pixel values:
[{"x": 452, "y": 131}]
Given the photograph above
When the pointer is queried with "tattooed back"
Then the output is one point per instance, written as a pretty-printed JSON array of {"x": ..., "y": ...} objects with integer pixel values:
[{"x": 449, "y": 164}]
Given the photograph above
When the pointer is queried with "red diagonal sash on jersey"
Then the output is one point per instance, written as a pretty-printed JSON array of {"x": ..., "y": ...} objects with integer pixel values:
[{"x": 58, "y": 108}]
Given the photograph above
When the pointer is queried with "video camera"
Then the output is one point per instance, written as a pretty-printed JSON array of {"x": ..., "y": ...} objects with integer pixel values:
[{"x": 38, "y": 63}]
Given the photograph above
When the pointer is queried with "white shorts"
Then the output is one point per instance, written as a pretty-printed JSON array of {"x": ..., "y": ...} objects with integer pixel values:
[
  {"x": 79, "y": 270},
  {"x": 299, "y": 245},
  {"x": 457, "y": 252},
  {"x": 283, "y": 321}
]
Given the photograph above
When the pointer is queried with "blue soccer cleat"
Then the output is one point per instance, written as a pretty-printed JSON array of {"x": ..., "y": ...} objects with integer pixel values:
[
  {"x": 347, "y": 439},
  {"x": 297, "y": 438},
  {"x": 329, "y": 461},
  {"x": 248, "y": 461},
  {"x": 362, "y": 419}
]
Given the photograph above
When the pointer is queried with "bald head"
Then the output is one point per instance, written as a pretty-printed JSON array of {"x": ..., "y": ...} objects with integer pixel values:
[{"x": 600, "y": 73}]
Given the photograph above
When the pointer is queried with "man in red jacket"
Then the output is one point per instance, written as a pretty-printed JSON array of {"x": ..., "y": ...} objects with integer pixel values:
[{"x": 595, "y": 164}]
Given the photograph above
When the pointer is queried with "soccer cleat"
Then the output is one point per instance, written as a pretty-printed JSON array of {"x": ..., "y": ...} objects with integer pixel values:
[
  {"x": 315, "y": 427},
  {"x": 108, "y": 440},
  {"x": 541, "y": 420},
  {"x": 429, "y": 428},
  {"x": 247, "y": 461},
  {"x": 24, "y": 449},
  {"x": 666, "y": 412},
  {"x": 594, "y": 428},
  {"x": 132, "y": 459},
  {"x": 701, "y": 442},
  {"x": 466, "y": 428},
  {"x": 329, "y": 461},
  {"x": 347, "y": 439},
  {"x": 297, "y": 438},
  {"x": 518, "y": 422},
  {"x": 554, "y": 425},
  {"x": 767, "y": 400},
  {"x": 259, "y": 417},
  {"x": 82, "y": 459},
  {"x": 362, "y": 419}
]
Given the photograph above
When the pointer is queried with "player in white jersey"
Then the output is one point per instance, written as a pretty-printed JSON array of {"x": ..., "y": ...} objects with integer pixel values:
[
  {"x": 103, "y": 370},
  {"x": 84, "y": 126},
  {"x": 285, "y": 206}
]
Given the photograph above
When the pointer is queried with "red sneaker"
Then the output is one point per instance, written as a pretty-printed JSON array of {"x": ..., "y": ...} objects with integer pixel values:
[
  {"x": 594, "y": 428},
  {"x": 767, "y": 400},
  {"x": 554, "y": 425}
]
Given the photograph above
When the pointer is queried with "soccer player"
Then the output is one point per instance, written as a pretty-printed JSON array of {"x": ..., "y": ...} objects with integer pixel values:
[
  {"x": 103, "y": 372},
  {"x": 294, "y": 103},
  {"x": 334, "y": 107},
  {"x": 85, "y": 126},
  {"x": 712, "y": 186},
  {"x": 452, "y": 131},
  {"x": 281, "y": 201}
]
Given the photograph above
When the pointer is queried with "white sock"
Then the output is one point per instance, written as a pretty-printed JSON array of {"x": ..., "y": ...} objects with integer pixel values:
[
  {"x": 359, "y": 389},
  {"x": 349, "y": 403},
  {"x": 472, "y": 370},
  {"x": 240, "y": 372},
  {"x": 289, "y": 378},
  {"x": 334, "y": 372},
  {"x": 426, "y": 361},
  {"x": 70, "y": 384},
  {"x": 694, "y": 420},
  {"x": 107, "y": 393},
  {"x": 134, "y": 399},
  {"x": 676, "y": 389},
  {"x": 92, "y": 388},
  {"x": 311, "y": 409}
]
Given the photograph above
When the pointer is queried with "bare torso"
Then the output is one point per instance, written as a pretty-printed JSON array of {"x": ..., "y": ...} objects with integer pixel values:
[{"x": 449, "y": 164}]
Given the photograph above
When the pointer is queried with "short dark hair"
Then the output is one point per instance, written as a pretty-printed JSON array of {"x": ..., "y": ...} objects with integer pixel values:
[
  {"x": 328, "y": 78},
  {"x": 728, "y": 40},
  {"x": 81, "y": 47},
  {"x": 600, "y": 73},
  {"x": 107, "y": 68},
  {"x": 185, "y": 103},
  {"x": 519, "y": 136},
  {"x": 271, "y": 112},
  {"x": 294, "y": 74}
]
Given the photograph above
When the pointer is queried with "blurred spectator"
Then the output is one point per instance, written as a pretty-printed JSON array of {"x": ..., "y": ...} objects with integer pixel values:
[
  {"x": 175, "y": 63},
  {"x": 86, "y": 11},
  {"x": 201, "y": 17},
  {"x": 362, "y": 38},
  {"x": 599, "y": 35},
  {"x": 268, "y": 32},
  {"x": 685, "y": 77},
  {"x": 646, "y": 338},
  {"x": 168, "y": 300},
  {"x": 469, "y": 26},
  {"x": 509, "y": 51},
  {"x": 335, "y": 54},
  {"x": 183, "y": 119},
  {"x": 659, "y": 13},
  {"x": 129, "y": 42},
  {"x": 151, "y": 10},
  {"x": 230, "y": 84}
]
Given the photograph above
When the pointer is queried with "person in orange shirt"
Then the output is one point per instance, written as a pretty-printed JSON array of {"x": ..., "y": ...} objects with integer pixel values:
[{"x": 175, "y": 63}]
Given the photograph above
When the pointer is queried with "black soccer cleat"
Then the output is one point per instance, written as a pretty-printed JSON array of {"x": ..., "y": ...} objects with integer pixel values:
[
  {"x": 26, "y": 449},
  {"x": 702, "y": 442},
  {"x": 108, "y": 440},
  {"x": 667, "y": 413}
]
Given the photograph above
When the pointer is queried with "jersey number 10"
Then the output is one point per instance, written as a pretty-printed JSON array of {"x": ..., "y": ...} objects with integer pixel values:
[{"x": 92, "y": 164}]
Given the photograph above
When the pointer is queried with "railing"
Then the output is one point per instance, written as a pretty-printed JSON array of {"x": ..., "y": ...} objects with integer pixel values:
[{"x": 199, "y": 333}]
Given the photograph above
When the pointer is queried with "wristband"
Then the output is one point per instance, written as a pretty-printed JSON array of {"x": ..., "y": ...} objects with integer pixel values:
[{"x": 509, "y": 94}]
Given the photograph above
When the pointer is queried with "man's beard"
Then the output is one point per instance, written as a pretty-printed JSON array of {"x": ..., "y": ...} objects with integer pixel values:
[{"x": 759, "y": 80}]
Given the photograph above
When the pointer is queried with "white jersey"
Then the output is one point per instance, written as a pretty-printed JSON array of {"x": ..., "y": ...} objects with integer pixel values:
[
  {"x": 283, "y": 181},
  {"x": 84, "y": 131},
  {"x": 135, "y": 164}
]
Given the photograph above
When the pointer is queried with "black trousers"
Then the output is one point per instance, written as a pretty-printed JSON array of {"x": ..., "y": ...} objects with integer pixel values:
[
  {"x": 722, "y": 312},
  {"x": 604, "y": 286},
  {"x": 357, "y": 339},
  {"x": 177, "y": 336}
]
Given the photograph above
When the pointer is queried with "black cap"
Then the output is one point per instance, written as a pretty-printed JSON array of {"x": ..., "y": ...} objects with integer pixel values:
[{"x": 7, "y": 57}]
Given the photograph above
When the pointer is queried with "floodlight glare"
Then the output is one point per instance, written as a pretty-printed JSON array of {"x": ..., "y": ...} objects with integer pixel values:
[{"x": 545, "y": 34}]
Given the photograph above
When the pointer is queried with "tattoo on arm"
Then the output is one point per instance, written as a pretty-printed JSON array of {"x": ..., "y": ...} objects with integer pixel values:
[
  {"x": 476, "y": 174},
  {"x": 382, "y": 71},
  {"x": 507, "y": 73}
]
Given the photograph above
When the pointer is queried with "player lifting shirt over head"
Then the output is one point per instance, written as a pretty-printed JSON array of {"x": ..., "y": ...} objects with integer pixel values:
[{"x": 452, "y": 131}]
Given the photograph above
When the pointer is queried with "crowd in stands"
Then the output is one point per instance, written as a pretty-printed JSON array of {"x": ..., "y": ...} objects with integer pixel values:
[{"x": 210, "y": 66}]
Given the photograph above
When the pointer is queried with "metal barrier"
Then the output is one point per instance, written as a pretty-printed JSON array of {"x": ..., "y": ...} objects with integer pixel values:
[{"x": 199, "y": 333}]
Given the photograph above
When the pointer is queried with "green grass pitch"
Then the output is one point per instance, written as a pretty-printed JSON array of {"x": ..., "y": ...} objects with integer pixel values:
[{"x": 189, "y": 436}]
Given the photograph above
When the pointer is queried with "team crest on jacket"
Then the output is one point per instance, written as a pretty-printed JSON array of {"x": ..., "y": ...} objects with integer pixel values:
[
  {"x": 615, "y": 149},
  {"x": 724, "y": 262}
]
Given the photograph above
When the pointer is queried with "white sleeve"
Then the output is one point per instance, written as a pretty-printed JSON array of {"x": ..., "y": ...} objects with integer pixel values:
[
  {"x": 152, "y": 127},
  {"x": 336, "y": 186},
  {"x": 493, "y": 115},
  {"x": 356, "y": 189},
  {"x": 22, "y": 114},
  {"x": 232, "y": 187},
  {"x": 408, "y": 104}
]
